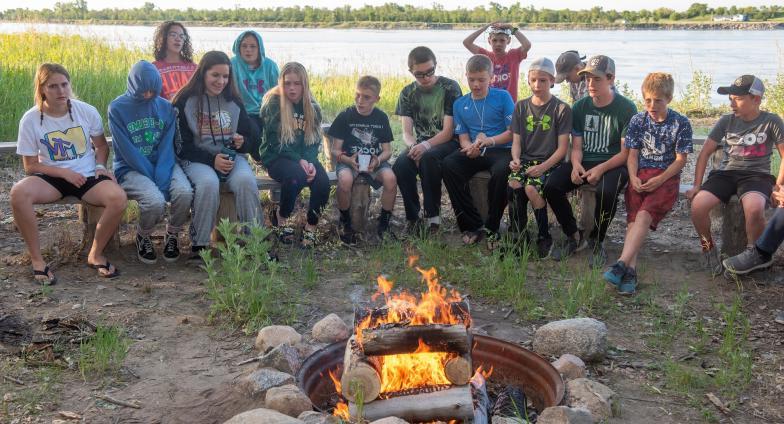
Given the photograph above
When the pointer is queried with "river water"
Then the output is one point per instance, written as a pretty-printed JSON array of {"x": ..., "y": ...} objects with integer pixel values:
[{"x": 722, "y": 54}]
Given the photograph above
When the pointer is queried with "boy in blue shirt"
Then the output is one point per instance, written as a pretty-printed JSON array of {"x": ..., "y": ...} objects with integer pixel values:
[
  {"x": 482, "y": 119},
  {"x": 658, "y": 139}
]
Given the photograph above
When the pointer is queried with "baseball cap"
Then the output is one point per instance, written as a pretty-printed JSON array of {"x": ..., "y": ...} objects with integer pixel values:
[
  {"x": 599, "y": 65},
  {"x": 744, "y": 84},
  {"x": 543, "y": 64},
  {"x": 565, "y": 63}
]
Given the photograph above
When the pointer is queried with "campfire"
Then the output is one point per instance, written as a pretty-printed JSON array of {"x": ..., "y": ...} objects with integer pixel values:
[{"x": 411, "y": 357}]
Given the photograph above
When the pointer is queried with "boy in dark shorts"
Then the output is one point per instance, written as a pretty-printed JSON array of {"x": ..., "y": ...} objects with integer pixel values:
[
  {"x": 361, "y": 138},
  {"x": 658, "y": 140},
  {"x": 747, "y": 137},
  {"x": 541, "y": 125},
  {"x": 425, "y": 110}
]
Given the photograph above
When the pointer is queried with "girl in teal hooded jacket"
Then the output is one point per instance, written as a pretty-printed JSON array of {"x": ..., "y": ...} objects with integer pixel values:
[{"x": 254, "y": 72}]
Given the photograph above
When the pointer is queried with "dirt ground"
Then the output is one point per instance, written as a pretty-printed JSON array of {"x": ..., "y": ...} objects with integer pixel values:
[{"x": 181, "y": 368}]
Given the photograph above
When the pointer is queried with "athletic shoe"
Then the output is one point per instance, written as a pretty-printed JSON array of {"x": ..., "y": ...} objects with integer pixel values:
[
  {"x": 543, "y": 247},
  {"x": 598, "y": 256},
  {"x": 747, "y": 261},
  {"x": 628, "y": 285},
  {"x": 711, "y": 261},
  {"x": 348, "y": 235},
  {"x": 568, "y": 248},
  {"x": 615, "y": 273},
  {"x": 171, "y": 248},
  {"x": 145, "y": 250}
]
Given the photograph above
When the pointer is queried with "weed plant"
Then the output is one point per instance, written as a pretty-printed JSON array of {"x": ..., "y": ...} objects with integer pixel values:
[
  {"x": 104, "y": 352},
  {"x": 245, "y": 286}
]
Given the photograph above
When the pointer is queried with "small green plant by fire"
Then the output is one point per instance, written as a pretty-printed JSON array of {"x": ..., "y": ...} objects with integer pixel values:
[
  {"x": 245, "y": 286},
  {"x": 104, "y": 352}
]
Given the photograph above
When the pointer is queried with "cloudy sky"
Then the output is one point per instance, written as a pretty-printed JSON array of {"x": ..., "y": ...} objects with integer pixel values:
[{"x": 555, "y": 4}]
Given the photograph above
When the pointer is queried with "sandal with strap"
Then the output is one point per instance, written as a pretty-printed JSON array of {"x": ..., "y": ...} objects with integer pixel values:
[
  {"x": 107, "y": 266},
  {"x": 493, "y": 240},
  {"x": 286, "y": 234},
  {"x": 49, "y": 280},
  {"x": 309, "y": 239},
  {"x": 471, "y": 238}
]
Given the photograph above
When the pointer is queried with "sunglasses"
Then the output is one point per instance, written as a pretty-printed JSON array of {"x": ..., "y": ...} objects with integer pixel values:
[
  {"x": 177, "y": 36},
  {"x": 427, "y": 74}
]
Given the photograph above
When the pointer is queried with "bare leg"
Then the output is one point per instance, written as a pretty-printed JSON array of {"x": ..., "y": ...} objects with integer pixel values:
[
  {"x": 701, "y": 206},
  {"x": 112, "y": 198},
  {"x": 754, "y": 212},
  {"x": 635, "y": 237},
  {"x": 389, "y": 181},
  {"x": 537, "y": 201},
  {"x": 343, "y": 193},
  {"x": 24, "y": 194}
]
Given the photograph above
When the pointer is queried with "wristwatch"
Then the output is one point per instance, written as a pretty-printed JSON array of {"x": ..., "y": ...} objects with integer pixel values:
[{"x": 514, "y": 30}]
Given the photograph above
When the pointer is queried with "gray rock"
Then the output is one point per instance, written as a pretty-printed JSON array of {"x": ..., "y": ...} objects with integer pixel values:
[
  {"x": 284, "y": 358},
  {"x": 390, "y": 420},
  {"x": 262, "y": 416},
  {"x": 275, "y": 335},
  {"x": 508, "y": 420},
  {"x": 582, "y": 337},
  {"x": 570, "y": 366},
  {"x": 288, "y": 400},
  {"x": 565, "y": 415},
  {"x": 259, "y": 381},
  {"x": 330, "y": 329},
  {"x": 597, "y": 398},
  {"x": 307, "y": 349},
  {"x": 313, "y": 417}
]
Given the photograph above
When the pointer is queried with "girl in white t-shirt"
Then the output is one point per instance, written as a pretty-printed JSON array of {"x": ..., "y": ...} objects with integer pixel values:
[{"x": 64, "y": 151}]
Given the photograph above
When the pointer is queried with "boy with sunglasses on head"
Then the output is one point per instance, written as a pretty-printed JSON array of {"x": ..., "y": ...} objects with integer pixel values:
[
  {"x": 425, "y": 110},
  {"x": 506, "y": 64}
]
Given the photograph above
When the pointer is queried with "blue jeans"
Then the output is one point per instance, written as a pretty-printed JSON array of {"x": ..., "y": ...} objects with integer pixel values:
[{"x": 774, "y": 233}]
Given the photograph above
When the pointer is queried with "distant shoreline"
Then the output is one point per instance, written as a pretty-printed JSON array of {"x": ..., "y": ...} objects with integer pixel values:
[{"x": 695, "y": 26}]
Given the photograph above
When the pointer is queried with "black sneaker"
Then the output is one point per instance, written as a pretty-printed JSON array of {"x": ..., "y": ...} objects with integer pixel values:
[
  {"x": 348, "y": 236},
  {"x": 543, "y": 246},
  {"x": 569, "y": 247},
  {"x": 383, "y": 228},
  {"x": 171, "y": 248},
  {"x": 145, "y": 250}
]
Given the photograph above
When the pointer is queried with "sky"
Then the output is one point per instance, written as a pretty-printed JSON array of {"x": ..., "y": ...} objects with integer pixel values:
[{"x": 448, "y": 4}]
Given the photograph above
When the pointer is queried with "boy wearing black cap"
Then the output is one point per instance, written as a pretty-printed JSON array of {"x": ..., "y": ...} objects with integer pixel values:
[
  {"x": 746, "y": 136},
  {"x": 598, "y": 158},
  {"x": 506, "y": 64},
  {"x": 568, "y": 66}
]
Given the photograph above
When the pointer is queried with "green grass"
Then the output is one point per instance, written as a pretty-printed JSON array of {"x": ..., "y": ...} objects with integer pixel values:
[{"x": 104, "y": 352}]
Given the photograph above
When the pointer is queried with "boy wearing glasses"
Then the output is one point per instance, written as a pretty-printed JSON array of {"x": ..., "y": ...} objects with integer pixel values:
[
  {"x": 425, "y": 110},
  {"x": 506, "y": 64}
]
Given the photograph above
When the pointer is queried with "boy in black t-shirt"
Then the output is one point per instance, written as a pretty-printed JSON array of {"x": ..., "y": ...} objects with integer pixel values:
[{"x": 361, "y": 138}]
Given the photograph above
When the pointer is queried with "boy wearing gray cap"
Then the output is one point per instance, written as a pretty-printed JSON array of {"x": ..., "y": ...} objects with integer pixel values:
[
  {"x": 598, "y": 158},
  {"x": 541, "y": 125},
  {"x": 568, "y": 67},
  {"x": 747, "y": 137}
]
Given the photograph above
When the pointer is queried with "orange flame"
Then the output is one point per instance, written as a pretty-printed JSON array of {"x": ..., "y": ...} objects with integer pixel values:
[
  {"x": 423, "y": 367},
  {"x": 341, "y": 411},
  {"x": 336, "y": 382}
]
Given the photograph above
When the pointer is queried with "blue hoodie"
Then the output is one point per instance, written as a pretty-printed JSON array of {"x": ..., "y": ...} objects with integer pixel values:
[
  {"x": 143, "y": 130},
  {"x": 253, "y": 83}
]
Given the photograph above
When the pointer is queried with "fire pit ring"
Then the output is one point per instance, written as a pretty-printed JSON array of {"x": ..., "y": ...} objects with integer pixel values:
[{"x": 512, "y": 364}]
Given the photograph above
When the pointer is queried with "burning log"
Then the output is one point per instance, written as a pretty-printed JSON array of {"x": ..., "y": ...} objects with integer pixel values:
[
  {"x": 460, "y": 310},
  {"x": 458, "y": 370},
  {"x": 451, "y": 404},
  {"x": 360, "y": 374},
  {"x": 391, "y": 340}
]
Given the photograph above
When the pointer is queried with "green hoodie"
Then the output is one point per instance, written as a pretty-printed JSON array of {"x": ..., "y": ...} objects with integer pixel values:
[
  {"x": 271, "y": 147},
  {"x": 253, "y": 83}
]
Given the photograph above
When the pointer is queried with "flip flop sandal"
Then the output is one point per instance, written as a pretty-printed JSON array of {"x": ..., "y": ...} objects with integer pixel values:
[
  {"x": 50, "y": 280},
  {"x": 286, "y": 234},
  {"x": 470, "y": 238},
  {"x": 107, "y": 266}
]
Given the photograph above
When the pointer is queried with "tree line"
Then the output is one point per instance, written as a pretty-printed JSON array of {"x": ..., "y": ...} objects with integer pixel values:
[{"x": 389, "y": 12}]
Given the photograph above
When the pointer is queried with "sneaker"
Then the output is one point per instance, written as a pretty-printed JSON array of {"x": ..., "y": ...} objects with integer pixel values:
[
  {"x": 746, "y": 261},
  {"x": 382, "y": 229},
  {"x": 145, "y": 250},
  {"x": 171, "y": 248},
  {"x": 493, "y": 240},
  {"x": 348, "y": 236},
  {"x": 543, "y": 247},
  {"x": 598, "y": 257},
  {"x": 615, "y": 273},
  {"x": 628, "y": 284},
  {"x": 570, "y": 247},
  {"x": 195, "y": 258},
  {"x": 711, "y": 261}
]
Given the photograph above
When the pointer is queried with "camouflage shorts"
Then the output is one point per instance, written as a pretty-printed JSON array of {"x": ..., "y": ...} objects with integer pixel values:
[{"x": 527, "y": 180}]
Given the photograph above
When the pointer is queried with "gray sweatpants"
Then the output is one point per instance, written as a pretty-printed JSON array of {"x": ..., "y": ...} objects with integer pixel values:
[
  {"x": 152, "y": 204},
  {"x": 206, "y": 190}
]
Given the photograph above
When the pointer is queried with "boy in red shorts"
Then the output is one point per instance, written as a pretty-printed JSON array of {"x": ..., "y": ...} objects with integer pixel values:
[{"x": 658, "y": 140}]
